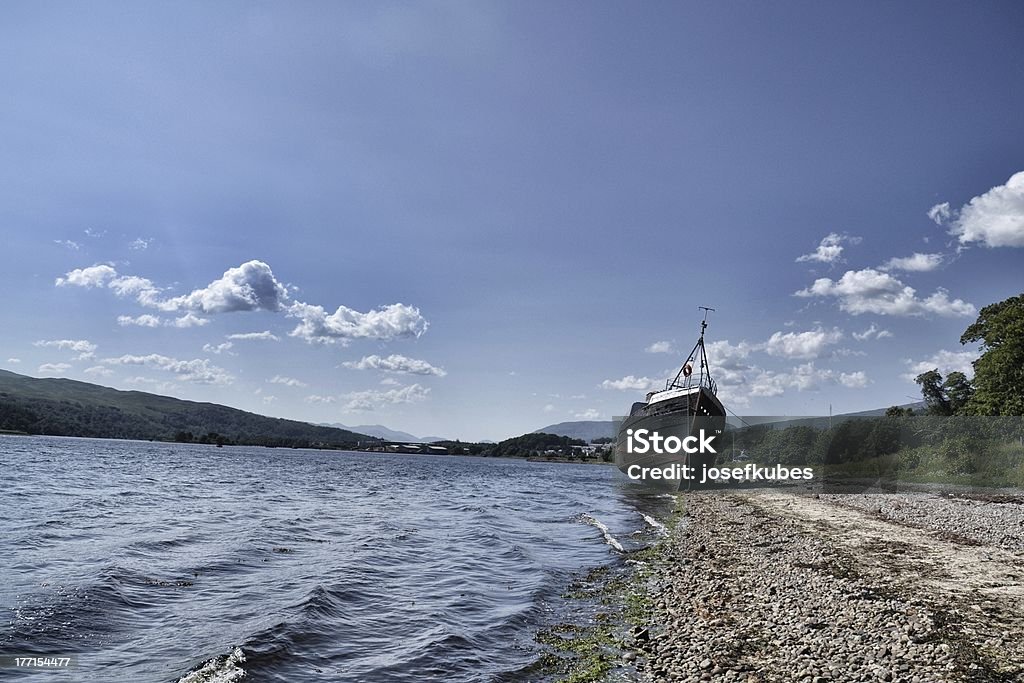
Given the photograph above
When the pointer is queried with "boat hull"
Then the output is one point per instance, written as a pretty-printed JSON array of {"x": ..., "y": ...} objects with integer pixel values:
[{"x": 696, "y": 414}]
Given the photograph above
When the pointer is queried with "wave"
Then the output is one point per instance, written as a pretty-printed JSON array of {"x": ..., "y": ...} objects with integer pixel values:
[
  {"x": 221, "y": 669},
  {"x": 658, "y": 526},
  {"x": 608, "y": 538}
]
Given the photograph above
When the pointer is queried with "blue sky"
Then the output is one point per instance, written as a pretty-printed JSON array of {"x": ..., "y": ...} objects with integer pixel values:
[{"x": 473, "y": 219}]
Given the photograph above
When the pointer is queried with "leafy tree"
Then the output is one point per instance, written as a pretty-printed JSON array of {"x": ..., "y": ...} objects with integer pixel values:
[
  {"x": 999, "y": 372},
  {"x": 934, "y": 397}
]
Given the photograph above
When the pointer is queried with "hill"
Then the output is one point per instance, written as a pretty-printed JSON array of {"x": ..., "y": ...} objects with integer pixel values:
[
  {"x": 388, "y": 434},
  {"x": 587, "y": 430},
  {"x": 65, "y": 407}
]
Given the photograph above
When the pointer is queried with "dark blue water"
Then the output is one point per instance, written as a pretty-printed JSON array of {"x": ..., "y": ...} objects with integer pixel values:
[{"x": 167, "y": 562}]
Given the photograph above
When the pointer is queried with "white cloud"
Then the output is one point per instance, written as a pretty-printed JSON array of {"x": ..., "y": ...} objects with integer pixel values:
[
  {"x": 99, "y": 370},
  {"x": 396, "y": 364},
  {"x": 804, "y": 345},
  {"x": 390, "y": 322},
  {"x": 994, "y": 219},
  {"x": 317, "y": 398},
  {"x": 589, "y": 414},
  {"x": 287, "y": 381},
  {"x": 804, "y": 377},
  {"x": 830, "y": 248},
  {"x": 199, "y": 371},
  {"x": 940, "y": 213},
  {"x": 660, "y": 347},
  {"x": 631, "y": 383},
  {"x": 945, "y": 362},
  {"x": 70, "y": 244},
  {"x": 219, "y": 348},
  {"x": 189, "y": 320},
  {"x": 269, "y": 399},
  {"x": 139, "y": 244},
  {"x": 917, "y": 263},
  {"x": 549, "y": 408},
  {"x": 373, "y": 399},
  {"x": 14, "y": 361},
  {"x": 872, "y": 332},
  {"x": 54, "y": 368},
  {"x": 873, "y": 291},
  {"x": 144, "y": 320},
  {"x": 266, "y": 335},
  {"x": 85, "y": 349},
  {"x": 390, "y": 382},
  {"x": 93, "y": 276},
  {"x": 854, "y": 380},
  {"x": 249, "y": 287}
]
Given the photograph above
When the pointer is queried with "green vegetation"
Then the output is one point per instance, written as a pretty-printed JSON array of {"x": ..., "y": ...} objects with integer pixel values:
[
  {"x": 969, "y": 432},
  {"x": 537, "y": 444},
  {"x": 64, "y": 407}
]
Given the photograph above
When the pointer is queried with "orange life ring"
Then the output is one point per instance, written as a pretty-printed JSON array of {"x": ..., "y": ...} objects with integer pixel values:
[{"x": 687, "y": 370}]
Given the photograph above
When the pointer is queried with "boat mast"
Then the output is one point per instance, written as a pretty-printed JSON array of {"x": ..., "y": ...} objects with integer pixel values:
[{"x": 705, "y": 368}]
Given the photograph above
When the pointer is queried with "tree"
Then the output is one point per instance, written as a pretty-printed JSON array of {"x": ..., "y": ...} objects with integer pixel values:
[
  {"x": 931, "y": 389},
  {"x": 948, "y": 396},
  {"x": 999, "y": 372}
]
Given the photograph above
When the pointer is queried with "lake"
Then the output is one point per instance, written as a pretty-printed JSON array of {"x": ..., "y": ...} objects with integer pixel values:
[{"x": 169, "y": 562}]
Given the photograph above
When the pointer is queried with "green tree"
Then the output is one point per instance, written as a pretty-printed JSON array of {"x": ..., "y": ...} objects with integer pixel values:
[
  {"x": 999, "y": 372},
  {"x": 934, "y": 396}
]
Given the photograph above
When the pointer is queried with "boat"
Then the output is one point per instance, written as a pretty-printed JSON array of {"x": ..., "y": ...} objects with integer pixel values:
[{"x": 688, "y": 409}]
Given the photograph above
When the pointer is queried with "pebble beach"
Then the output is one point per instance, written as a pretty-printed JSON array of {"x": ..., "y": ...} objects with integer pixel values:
[{"x": 783, "y": 586}]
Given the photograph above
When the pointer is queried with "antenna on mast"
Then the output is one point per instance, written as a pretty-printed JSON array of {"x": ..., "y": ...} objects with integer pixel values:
[{"x": 704, "y": 323}]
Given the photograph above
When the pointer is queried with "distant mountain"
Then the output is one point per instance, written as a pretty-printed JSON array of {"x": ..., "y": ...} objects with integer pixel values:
[
  {"x": 588, "y": 430},
  {"x": 382, "y": 432},
  {"x": 65, "y": 407}
]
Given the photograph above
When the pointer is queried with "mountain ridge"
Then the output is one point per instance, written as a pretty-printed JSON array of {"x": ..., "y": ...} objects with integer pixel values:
[{"x": 59, "y": 406}]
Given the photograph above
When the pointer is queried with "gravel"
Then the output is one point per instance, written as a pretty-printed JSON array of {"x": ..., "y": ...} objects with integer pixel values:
[{"x": 753, "y": 588}]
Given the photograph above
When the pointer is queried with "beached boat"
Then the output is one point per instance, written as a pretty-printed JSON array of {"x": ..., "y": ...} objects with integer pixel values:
[{"x": 688, "y": 406}]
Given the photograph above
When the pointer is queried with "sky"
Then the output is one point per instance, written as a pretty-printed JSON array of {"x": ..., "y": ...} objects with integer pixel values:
[{"x": 475, "y": 219}]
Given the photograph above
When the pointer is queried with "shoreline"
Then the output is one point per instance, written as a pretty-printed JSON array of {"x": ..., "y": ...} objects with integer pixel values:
[{"x": 769, "y": 585}]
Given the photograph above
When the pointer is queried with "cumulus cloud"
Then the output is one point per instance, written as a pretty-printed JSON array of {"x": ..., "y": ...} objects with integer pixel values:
[
  {"x": 916, "y": 263},
  {"x": 631, "y": 383},
  {"x": 803, "y": 345},
  {"x": 549, "y": 408},
  {"x": 219, "y": 348},
  {"x": 53, "y": 368},
  {"x": 93, "y": 276},
  {"x": 317, "y": 398},
  {"x": 872, "y": 332},
  {"x": 390, "y": 322},
  {"x": 266, "y": 335},
  {"x": 589, "y": 414},
  {"x": 396, "y": 364},
  {"x": 854, "y": 380},
  {"x": 287, "y": 381},
  {"x": 198, "y": 371},
  {"x": 69, "y": 244},
  {"x": 944, "y": 361},
  {"x": 372, "y": 399},
  {"x": 660, "y": 347},
  {"x": 144, "y": 320},
  {"x": 85, "y": 349},
  {"x": 873, "y": 291},
  {"x": 189, "y": 320},
  {"x": 249, "y": 287},
  {"x": 139, "y": 244},
  {"x": 99, "y": 370},
  {"x": 994, "y": 219},
  {"x": 252, "y": 286},
  {"x": 806, "y": 377},
  {"x": 15, "y": 361},
  {"x": 830, "y": 248}
]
